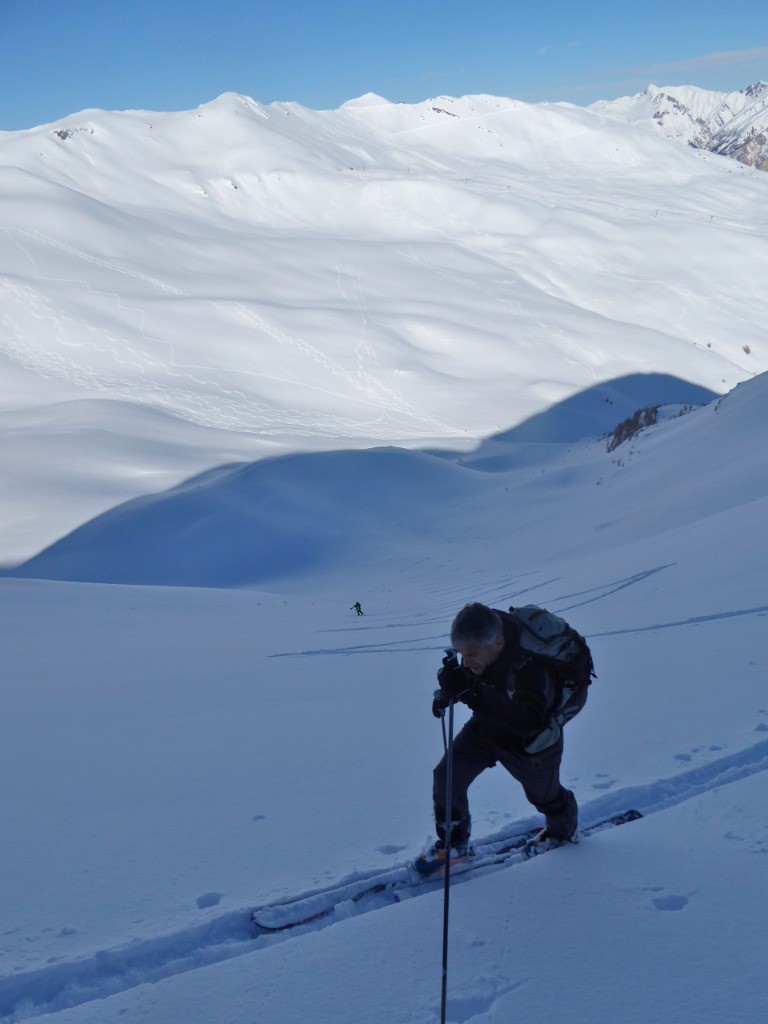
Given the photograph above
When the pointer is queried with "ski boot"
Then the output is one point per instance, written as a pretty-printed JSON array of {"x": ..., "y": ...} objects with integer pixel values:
[
  {"x": 544, "y": 841},
  {"x": 433, "y": 858}
]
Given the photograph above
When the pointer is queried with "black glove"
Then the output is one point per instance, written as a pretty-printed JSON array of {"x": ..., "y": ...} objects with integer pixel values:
[
  {"x": 452, "y": 677},
  {"x": 487, "y": 700},
  {"x": 439, "y": 704}
]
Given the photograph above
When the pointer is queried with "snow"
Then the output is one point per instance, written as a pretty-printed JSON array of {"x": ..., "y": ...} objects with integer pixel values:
[
  {"x": 225, "y": 420},
  {"x": 649, "y": 919},
  {"x": 281, "y": 280}
]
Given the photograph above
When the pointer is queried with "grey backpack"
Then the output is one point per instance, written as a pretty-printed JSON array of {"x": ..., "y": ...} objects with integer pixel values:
[
  {"x": 547, "y": 636},
  {"x": 567, "y": 655}
]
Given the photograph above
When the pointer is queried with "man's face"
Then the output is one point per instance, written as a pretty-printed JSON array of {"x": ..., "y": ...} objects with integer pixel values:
[{"x": 476, "y": 657}]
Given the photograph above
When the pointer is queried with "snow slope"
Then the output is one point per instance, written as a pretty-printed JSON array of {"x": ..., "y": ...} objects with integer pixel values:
[
  {"x": 278, "y": 280},
  {"x": 177, "y": 756},
  {"x": 273, "y": 361},
  {"x": 260, "y": 523}
]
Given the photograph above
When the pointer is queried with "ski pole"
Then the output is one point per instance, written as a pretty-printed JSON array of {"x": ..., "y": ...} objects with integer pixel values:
[
  {"x": 448, "y": 829},
  {"x": 437, "y": 697}
]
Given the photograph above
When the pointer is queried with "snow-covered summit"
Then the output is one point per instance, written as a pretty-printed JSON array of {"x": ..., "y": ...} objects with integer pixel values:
[
  {"x": 734, "y": 124},
  {"x": 368, "y": 99}
]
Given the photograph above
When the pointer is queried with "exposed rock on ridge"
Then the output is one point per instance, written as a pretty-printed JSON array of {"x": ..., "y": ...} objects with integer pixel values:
[{"x": 732, "y": 124}]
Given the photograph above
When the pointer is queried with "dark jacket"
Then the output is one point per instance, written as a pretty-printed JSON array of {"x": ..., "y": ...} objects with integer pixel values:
[{"x": 513, "y": 700}]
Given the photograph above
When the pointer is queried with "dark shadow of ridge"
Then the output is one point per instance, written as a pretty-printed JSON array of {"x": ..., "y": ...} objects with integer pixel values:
[
  {"x": 241, "y": 523},
  {"x": 598, "y": 410}
]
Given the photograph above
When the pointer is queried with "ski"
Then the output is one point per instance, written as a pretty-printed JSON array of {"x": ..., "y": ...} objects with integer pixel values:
[{"x": 383, "y": 888}]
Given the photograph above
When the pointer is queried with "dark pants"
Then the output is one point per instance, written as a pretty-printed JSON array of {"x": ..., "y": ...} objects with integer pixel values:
[{"x": 538, "y": 774}]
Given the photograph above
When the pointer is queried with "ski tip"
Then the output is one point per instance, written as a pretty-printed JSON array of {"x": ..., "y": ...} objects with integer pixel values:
[
  {"x": 622, "y": 818},
  {"x": 264, "y": 925}
]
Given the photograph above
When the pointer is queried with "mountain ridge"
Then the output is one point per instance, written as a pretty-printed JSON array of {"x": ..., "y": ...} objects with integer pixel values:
[{"x": 731, "y": 124}]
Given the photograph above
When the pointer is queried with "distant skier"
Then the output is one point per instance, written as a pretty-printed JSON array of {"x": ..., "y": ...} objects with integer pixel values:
[
  {"x": 357, "y": 607},
  {"x": 513, "y": 696}
]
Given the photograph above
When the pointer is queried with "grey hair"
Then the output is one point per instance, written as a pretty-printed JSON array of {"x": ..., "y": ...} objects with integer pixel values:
[{"x": 476, "y": 623}]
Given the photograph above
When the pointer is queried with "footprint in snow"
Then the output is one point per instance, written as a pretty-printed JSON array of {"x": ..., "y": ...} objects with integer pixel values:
[
  {"x": 389, "y": 849},
  {"x": 670, "y": 902},
  {"x": 603, "y": 785},
  {"x": 463, "y": 1009},
  {"x": 209, "y": 899}
]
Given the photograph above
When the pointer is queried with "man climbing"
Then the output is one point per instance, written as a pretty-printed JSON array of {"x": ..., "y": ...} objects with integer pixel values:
[{"x": 518, "y": 707}]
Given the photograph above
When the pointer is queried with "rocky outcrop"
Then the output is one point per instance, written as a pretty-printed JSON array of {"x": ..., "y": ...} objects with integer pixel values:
[
  {"x": 745, "y": 137},
  {"x": 732, "y": 124}
]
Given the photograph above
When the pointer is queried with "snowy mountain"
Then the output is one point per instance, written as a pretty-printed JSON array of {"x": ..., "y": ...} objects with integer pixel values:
[
  {"x": 259, "y": 363},
  {"x": 745, "y": 136},
  {"x": 186, "y": 290},
  {"x": 733, "y": 124}
]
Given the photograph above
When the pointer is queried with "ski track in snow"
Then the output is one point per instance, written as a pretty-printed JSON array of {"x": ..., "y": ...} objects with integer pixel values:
[
  {"x": 694, "y": 621},
  {"x": 109, "y": 971},
  {"x": 438, "y": 641},
  {"x": 206, "y": 401}
]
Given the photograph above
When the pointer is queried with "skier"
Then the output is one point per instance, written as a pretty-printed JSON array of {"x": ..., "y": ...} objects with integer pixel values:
[
  {"x": 357, "y": 607},
  {"x": 512, "y": 695}
]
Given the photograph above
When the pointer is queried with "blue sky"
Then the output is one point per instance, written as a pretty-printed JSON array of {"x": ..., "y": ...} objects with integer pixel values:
[{"x": 60, "y": 57}]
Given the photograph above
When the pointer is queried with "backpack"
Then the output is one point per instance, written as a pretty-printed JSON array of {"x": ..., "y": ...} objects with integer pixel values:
[
  {"x": 565, "y": 652},
  {"x": 547, "y": 636}
]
